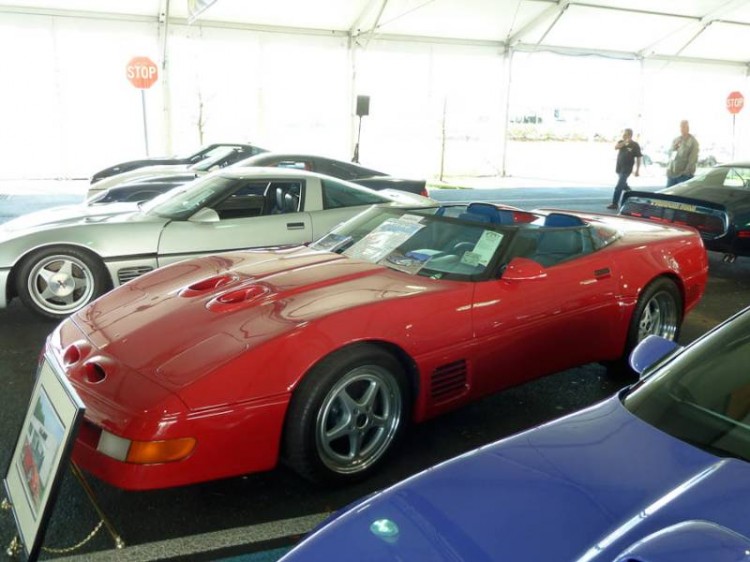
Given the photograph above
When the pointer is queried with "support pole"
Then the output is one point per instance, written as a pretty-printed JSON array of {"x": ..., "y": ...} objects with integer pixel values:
[
  {"x": 145, "y": 123},
  {"x": 164, "y": 18},
  {"x": 119, "y": 542},
  {"x": 355, "y": 158},
  {"x": 506, "y": 114}
]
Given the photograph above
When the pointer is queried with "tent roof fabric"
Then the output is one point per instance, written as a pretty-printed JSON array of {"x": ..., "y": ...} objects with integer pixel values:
[{"x": 693, "y": 30}]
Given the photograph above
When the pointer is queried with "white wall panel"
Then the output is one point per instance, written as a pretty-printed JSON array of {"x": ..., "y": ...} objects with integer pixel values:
[{"x": 68, "y": 105}]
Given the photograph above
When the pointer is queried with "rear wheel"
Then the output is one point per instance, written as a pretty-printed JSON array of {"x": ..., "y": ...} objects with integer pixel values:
[
  {"x": 347, "y": 415},
  {"x": 56, "y": 282},
  {"x": 658, "y": 312}
]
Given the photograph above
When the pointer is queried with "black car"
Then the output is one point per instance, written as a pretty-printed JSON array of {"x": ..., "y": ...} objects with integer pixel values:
[
  {"x": 337, "y": 169},
  {"x": 147, "y": 188},
  {"x": 205, "y": 152},
  {"x": 716, "y": 203}
]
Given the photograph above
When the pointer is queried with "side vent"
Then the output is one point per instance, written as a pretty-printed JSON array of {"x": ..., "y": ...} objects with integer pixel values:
[
  {"x": 448, "y": 381},
  {"x": 128, "y": 273}
]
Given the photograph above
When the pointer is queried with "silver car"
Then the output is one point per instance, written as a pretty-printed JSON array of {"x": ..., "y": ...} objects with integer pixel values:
[{"x": 59, "y": 260}]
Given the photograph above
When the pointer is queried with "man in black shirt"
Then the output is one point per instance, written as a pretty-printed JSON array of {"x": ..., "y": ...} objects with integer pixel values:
[{"x": 628, "y": 154}]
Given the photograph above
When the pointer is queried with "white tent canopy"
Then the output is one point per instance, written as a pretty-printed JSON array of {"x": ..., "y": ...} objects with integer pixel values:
[
  {"x": 454, "y": 83},
  {"x": 712, "y": 30}
]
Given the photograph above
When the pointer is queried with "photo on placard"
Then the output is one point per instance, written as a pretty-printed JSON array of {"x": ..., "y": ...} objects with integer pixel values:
[
  {"x": 41, "y": 446},
  {"x": 41, "y": 453}
]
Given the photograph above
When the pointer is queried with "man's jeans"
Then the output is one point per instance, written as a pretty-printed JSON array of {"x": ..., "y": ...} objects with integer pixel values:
[
  {"x": 677, "y": 179},
  {"x": 622, "y": 185}
]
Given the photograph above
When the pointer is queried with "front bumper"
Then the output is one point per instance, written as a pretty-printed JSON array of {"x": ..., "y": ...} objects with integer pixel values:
[
  {"x": 231, "y": 445},
  {"x": 231, "y": 439}
]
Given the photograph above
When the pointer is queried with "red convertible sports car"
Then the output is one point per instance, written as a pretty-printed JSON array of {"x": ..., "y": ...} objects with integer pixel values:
[{"x": 320, "y": 355}]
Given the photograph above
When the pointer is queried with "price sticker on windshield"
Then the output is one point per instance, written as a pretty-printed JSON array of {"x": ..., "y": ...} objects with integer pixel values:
[{"x": 484, "y": 249}]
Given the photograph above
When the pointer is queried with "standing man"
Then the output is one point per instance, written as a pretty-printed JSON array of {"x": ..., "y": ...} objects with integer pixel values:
[
  {"x": 628, "y": 154},
  {"x": 684, "y": 156}
]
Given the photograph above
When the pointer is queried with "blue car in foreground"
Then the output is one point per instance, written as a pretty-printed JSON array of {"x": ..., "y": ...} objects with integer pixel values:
[{"x": 657, "y": 473}]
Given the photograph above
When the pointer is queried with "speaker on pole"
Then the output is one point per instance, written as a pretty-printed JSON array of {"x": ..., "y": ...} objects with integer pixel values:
[
  {"x": 363, "y": 108},
  {"x": 363, "y": 105}
]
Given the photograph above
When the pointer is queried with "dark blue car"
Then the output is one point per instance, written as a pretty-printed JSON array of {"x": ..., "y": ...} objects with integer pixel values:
[{"x": 657, "y": 473}]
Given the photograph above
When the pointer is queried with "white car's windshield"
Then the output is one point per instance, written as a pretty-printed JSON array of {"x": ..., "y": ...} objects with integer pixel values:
[
  {"x": 184, "y": 201},
  {"x": 218, "y": 157}
]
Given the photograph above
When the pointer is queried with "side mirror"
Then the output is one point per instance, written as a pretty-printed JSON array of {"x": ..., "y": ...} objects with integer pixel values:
[
  {"x": 205, "y": 215},
  {"x": 523, "y": 269},
  {"x": 649, "y": 351}
]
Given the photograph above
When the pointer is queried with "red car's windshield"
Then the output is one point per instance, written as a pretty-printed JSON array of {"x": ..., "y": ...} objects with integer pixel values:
[
  {"x": 464, "y": 242},
  {"x": 420, "y": 241}
]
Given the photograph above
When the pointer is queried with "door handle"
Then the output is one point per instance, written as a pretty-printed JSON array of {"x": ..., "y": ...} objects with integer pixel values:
[
  {"x": 602, "y": 273},
  {"x": 295, "y": 226}
]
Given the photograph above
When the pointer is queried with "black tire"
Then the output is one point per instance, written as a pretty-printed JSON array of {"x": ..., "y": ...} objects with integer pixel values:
[
  {"x": 78, "y": 279},
  {"x": 659, "y": 312},
  {"x": 332, "y": 395}
]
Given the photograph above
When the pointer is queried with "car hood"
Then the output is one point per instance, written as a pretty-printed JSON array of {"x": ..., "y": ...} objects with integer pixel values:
[
  {"x": 587, "y": 487},
  {"x": 133, "y": 164},
  {"x": 70, "y": 215},
  {"x": 139, "y": 173},
  {"x": 205, "y": 312}
]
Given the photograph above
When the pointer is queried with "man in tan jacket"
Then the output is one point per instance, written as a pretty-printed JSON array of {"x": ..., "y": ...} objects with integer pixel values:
[{"x": 684, "y": 156}]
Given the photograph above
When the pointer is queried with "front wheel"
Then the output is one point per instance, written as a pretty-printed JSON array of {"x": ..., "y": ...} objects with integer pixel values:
[
  {"x": 56, "y": 282},
  {"x": 346, "y": 415}
]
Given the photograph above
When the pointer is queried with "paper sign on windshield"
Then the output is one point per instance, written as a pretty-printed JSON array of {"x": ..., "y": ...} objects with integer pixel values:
[
  {"x": 383, "y": 240},
  {"x": 332, "y": 242},
  {"x": 411, "y": 262},
  {"x": 484, "y": 249}
]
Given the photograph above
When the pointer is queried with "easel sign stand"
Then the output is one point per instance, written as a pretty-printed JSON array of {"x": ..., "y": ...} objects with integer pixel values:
[{"x": 43, "y": 449}]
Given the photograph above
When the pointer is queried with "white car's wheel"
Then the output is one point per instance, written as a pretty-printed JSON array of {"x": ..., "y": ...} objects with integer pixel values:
[{"x": 56, "y": 282}]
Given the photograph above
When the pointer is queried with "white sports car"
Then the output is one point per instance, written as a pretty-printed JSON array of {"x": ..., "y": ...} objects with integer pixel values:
[{"x": 59, "y": 260}]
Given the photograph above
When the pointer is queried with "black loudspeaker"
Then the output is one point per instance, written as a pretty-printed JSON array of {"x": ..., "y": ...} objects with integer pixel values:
[{"x": 363, "y": 105}]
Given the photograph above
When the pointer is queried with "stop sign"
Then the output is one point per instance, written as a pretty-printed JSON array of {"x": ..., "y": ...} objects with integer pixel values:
[
  {"x": 142, "y": 72},
  {"x": 735, "y": 102}
]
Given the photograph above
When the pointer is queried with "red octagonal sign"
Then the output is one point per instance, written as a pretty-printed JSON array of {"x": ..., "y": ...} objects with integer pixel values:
[
  {"x": 142, "y": 72},
  {"x": 735, "y": 102}
]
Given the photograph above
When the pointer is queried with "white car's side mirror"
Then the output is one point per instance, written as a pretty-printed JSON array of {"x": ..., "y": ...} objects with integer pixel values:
[{"x": 205, "y": 215}]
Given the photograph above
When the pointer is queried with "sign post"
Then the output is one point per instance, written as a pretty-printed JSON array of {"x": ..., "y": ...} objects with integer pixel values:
[
  {"x": 142, "y": 73},
  {"x": 735, "y": 103}
]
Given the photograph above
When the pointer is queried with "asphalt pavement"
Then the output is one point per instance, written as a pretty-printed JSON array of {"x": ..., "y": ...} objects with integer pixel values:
[{"x": 269, "y": 511}]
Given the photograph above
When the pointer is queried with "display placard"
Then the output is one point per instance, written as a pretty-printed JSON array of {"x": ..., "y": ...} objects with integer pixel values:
[{"x": 41, "y": 454}]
